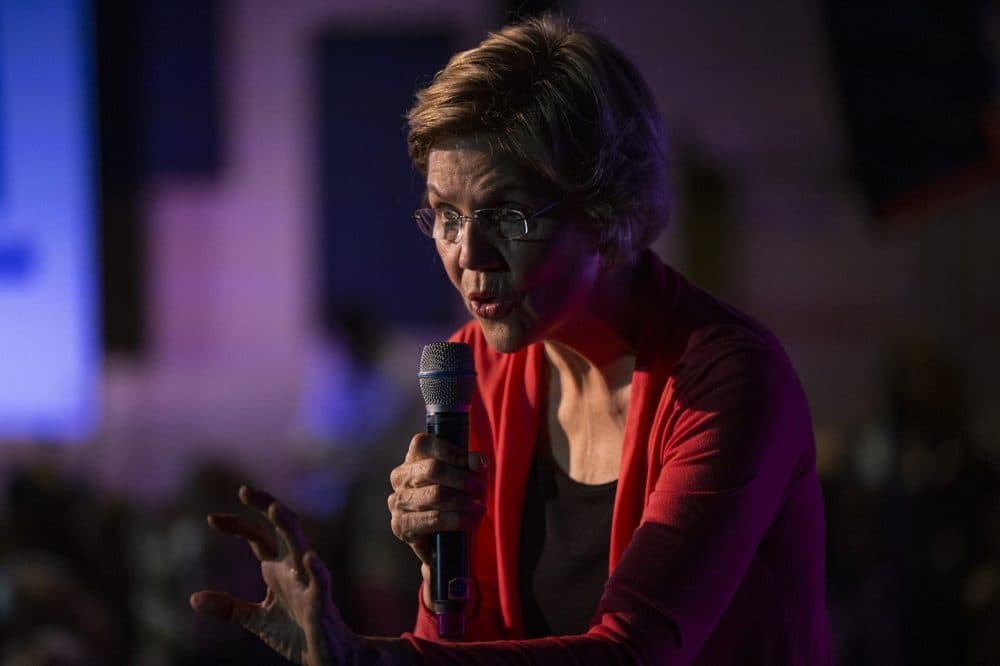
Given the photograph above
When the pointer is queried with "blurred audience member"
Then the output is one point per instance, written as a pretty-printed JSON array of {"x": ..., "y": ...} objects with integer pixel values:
[
  {"x": 914, "y": 524},
  {"x": 62, "y": 583}
]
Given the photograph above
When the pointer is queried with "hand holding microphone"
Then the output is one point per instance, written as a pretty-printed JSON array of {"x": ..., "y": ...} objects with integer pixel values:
[{"x": 438, "y": 496}]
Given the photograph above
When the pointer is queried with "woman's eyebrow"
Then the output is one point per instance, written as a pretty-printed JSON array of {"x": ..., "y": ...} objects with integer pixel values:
[
  {"x": 503, "y": 187},
  {"x": 499, "y": 191}
]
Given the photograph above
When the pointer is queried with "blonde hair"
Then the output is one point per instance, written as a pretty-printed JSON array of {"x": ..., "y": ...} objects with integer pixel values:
[{"x": 568, "y": 106}]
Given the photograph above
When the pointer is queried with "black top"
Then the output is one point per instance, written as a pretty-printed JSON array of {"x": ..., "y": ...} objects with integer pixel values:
[{"x": 563, "y": 552}]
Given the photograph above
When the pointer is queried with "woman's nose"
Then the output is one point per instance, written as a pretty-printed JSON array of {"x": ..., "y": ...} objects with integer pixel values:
[{"x": 478, "y": 251}]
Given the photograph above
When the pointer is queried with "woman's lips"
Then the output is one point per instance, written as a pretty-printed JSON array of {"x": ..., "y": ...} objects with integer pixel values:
[{"x": 490, "y": 307}]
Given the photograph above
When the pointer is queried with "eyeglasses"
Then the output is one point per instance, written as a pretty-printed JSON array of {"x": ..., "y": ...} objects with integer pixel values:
[{"x": 448, "y": 225}]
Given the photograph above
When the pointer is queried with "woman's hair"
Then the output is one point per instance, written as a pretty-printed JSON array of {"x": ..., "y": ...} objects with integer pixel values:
[{"x": 566, "y": 105}]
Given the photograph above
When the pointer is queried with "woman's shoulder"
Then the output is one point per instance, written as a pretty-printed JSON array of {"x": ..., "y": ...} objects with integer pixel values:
[
  {"x": 713, "y": 342},
  {"x": 730, "y": 370},
  {"x": 690, "y": 324}
]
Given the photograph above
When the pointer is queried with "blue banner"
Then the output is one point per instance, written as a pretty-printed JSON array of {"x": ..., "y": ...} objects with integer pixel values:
[{"x": 49, "y": 344}]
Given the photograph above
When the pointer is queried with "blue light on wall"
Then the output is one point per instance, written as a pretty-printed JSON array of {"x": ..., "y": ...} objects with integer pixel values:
[{"x": 49, "y": 349}]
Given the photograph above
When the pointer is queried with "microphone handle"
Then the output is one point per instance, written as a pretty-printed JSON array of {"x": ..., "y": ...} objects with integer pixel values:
[{"x": 450, "y": 582}]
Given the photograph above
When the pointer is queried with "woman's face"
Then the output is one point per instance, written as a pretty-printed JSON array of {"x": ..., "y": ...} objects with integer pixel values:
[{"x": 519, "y": 291}]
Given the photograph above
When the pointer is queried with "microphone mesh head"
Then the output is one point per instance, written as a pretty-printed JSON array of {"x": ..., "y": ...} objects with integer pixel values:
[{"x": 447, "y": 376}]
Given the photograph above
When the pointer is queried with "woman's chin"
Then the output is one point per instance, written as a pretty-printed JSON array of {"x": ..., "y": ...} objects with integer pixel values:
[{"x": 503, "y": 337}]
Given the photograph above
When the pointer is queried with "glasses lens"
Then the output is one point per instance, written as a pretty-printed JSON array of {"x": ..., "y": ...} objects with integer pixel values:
[
  {"x": 448, "y": 225},
  {"x": 505, "y": 223},
  {"x": 510, "y": 223}
]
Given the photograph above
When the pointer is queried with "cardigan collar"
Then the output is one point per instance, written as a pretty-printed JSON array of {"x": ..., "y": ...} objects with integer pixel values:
[{"x": 655, "y": 287}]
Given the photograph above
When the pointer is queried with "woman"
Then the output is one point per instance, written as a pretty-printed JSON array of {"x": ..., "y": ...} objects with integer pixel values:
[{"x": 652, "y": 495}]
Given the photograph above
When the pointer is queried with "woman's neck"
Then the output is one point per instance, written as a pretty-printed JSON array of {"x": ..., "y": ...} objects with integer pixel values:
[
  {"x": 602, "y": 330},
  {"x": 591, "y": 359}
]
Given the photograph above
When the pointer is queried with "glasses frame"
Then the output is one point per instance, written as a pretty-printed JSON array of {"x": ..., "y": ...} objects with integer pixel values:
[{"x": 426, "y": 219}]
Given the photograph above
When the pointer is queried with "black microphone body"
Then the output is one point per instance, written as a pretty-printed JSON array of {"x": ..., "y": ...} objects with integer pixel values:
[
  {"x": 450, "y": 550},
  {"x": 447, "y": 380}
]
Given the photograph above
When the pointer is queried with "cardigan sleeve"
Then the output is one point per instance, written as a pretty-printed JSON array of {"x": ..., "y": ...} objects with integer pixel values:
[
  {"x": 483, "y": 623},
  {"x": 737, "y": 432}
]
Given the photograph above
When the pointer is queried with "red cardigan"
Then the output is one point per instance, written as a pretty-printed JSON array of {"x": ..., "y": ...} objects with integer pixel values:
[{"x": 717, "y": 543}]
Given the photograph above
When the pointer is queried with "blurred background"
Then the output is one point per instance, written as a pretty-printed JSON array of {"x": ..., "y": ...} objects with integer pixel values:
[{"x": 209, "y": 275}]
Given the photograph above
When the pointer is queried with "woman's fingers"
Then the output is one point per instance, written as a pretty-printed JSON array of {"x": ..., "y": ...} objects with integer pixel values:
[
  {"x": 225, "y": 607},
  {"x": 430, "y": 472},
  {"x": 439, "y": 487},
  {"x": 441, "y": 498},
  {"x": 325, "y": 647},
  {"x": 255, "y": 618},
  {"x": 320, "y": 581},
  {"x": 256, "y": 499},
  {"x": 290, "y": 538},
  {"x": 418, "y": 512},
  {"x": 297, "y": 617},
  {"x": 288, "y": 529},
  {"x": 480, "y": 465},
  {"x": 258, "y": 535},
  {"x": 416, "y": 525},
  {"x": 434, "y": 461},
  {"x": 424, "y": 445}
]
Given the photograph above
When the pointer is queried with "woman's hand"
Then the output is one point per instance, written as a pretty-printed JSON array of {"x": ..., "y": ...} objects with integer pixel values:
[
  {"x": 297, "y": 617},
  {"x": 438, "y": 488}
]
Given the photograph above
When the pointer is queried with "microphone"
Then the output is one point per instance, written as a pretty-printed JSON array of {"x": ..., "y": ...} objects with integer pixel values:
[{"x": 447, "y": 379}]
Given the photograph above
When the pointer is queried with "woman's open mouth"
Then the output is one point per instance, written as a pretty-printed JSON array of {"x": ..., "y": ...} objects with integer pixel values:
[{"x": 490, "y": 307}]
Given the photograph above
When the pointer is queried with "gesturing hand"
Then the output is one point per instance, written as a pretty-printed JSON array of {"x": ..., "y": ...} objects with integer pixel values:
[{"x": 297, "y": 617}]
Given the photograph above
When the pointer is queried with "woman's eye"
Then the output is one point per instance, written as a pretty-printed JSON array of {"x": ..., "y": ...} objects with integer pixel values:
[
  {"x": 509, "y": 215},
  {"x": 514, "y": 206}
]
